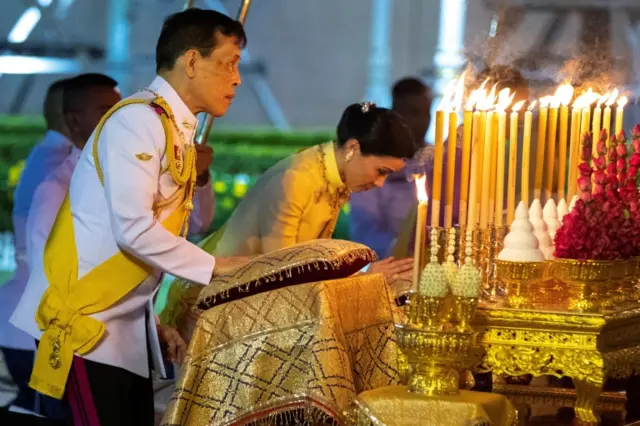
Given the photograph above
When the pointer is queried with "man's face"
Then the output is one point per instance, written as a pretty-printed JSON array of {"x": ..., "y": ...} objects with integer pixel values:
[
  {"x": 217, "y": 76},
  {"x": 82, "y": 122},
  {"x": 416, "y": 110}
]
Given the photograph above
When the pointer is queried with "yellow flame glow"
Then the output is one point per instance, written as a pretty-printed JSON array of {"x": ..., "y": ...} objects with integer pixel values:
[
  {"x": 532, "y": 105},
  {"x": 421, "y": 187},
  {"x": 505, "y": 97},
  {"x": 545, "y": 101},
  {"x": 586, "y": 99},
  {"x": 612, "y": 98},
  {"x": 517, "y": 106},
  {"x": 563, "y": 95},
  {"x": 476, "y": 97},
  {"x": 447, "y": 96},
  {"x": 457, "y": 100},
  {"x": 622, "y": 101}
]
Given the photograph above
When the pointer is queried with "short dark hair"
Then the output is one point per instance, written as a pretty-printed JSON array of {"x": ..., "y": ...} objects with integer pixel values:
[
  {"x": 75, "y": 90},
  {"x": 52, "y": 105},
  {"x": 410, "y": 86},
  {"x": 194, "y": 29},
  {"x": 505, "y": 76},
  {"x": 379, "y": 131}
]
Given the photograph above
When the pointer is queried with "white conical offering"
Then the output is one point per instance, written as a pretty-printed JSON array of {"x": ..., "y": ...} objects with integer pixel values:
[
  {"x": 540, "y": 229},
  {"x": 433, "y": 282},
  {"x": 550, "y": 216},
  {"x": 469, "y": 279},
  {"x": 450, "y": 267},
  {"x": 521, "y": 244},
  {"x": 573, "y": 202},
  {"x": 563, "y": 210}
]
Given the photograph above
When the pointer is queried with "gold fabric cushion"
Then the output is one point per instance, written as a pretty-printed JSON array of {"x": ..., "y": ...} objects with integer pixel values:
[{"x": 311, "y": 261}]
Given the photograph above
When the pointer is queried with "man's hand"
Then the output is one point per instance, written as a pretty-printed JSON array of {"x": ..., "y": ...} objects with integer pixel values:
[
  {"x": 227, "y": 264},
  {"x": 205, "y": 157},
  {"x": 392, "y": 269},
  {"x": 174, "y": 347}
]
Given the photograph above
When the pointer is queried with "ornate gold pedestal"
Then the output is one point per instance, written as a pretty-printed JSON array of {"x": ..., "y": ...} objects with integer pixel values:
[
  {"x": 397, "y": 406},
  {"x": 588, "y": 347}
]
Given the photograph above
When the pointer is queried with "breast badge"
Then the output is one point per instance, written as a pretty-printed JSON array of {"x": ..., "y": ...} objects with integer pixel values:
[{"x": 143, "y": 156}]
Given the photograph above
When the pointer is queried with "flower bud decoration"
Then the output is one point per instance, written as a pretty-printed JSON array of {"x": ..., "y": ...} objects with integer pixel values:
[
  {"x": 584, "y": 184},
  {"x": 600, "y": 177}
]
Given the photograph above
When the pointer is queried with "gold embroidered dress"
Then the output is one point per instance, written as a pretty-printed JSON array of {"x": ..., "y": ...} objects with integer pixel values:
[{"x": 297, "y": 200}]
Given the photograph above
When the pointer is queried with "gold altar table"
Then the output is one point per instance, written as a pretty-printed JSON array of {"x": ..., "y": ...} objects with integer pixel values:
[
  {"x": 301, "y": 352},
  {"x": 588, "y": 348},
  {"x": 396, "y": 406}
]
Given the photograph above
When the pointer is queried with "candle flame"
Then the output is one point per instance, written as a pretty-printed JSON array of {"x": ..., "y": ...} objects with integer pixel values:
[
  {"x": 457, "y": 100},
  {"x": 612, "y": 99},
  {"x": 544, "y": 102},
  {"x": 487, "y": 102},
  {"x": 603, "y": 99},
  {"x": 563, "y": 96},
  {"x": 586, "y": 99},
  {"x": 517, "y": 106},
  {"x": 421, "y": 187},
  {"x": 476, "y": 97},
  {"x": 447, "y": 96},
  {"x": 532, "y": 105},
  {"x": 622, "y": 101},
  {"x": 505, "y": 97}
]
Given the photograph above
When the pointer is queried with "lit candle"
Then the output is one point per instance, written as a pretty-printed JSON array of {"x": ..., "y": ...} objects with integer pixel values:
[
  {"x": 550, "y": 151},
  {"x": 451, "y": 169},
  {"x": 494, "y": 164},
  {"x": 596, "y": 122},
  {"x": 606, "y": 119},
  {"x": 466, "y": 163},
  {"x": 504, "y": 100},
  {"x": 542, "y": 133},
  {"x": 526, "y": 154},
  {"x": 513, "y": 161},
  {"x": 620, "y": 114},
  {"x": 486, "y": 171},
  {"x": 574, "y": 146},
  {"x": 562, "y": 144},
  {"x": 421, "y": 229},
  {"x": 477, "y": 153}
]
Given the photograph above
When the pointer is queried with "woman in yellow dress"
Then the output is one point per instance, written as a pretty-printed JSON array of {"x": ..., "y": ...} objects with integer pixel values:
[{"x": 299, "y": 198}]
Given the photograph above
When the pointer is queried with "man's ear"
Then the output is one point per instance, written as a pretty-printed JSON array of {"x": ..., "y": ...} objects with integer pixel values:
[
  {"x": 189, "y": 60},
  {"x": 71, "y": 121}
]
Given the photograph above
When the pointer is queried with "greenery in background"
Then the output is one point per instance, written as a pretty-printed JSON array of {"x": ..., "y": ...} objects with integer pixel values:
[{"x": 240, "y": 158}]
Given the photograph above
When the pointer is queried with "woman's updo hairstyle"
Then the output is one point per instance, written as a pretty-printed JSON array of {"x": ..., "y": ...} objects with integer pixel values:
[{"x": 379, "y": 131}]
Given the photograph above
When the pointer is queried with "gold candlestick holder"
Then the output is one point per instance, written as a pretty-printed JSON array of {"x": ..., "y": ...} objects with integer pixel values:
[{"x": 436, "y": 355}]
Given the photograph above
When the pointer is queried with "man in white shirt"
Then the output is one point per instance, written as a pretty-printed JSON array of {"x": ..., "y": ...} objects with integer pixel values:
[
  {"x": 42, "y": 160},
  {"x": 124, "y": 216}
]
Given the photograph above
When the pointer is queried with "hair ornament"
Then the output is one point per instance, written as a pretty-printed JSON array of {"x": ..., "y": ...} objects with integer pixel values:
[{"x": 366, "y": 105}]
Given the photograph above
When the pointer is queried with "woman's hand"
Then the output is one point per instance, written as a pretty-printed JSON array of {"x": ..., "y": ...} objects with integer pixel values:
[
  {"x": 174, "y": 347},
  {"x": 392, "y": 269}
]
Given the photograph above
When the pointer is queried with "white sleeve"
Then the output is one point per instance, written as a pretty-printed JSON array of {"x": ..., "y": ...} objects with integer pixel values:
[
  {"x": 131, "y": 185},
  {"x": 204, "y": 209}
]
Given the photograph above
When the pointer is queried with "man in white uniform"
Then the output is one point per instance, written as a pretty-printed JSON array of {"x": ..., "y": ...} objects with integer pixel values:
[
  {"x": 120, "y": 227},
  {"x": 43, "y": 159}
]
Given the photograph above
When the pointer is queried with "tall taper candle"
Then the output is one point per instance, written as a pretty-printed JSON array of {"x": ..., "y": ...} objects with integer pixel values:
[
  {"x": 620, "y": 114},
  {"x": 486, "y": 171},
  {"x": 452, "y": 144},
  {"x": 512, "y": 180},
  {"x": 550, "y": 150},
  {"x": 526, "y": 155},
  {"x": 542, "y": 137},
  {"x": 476, "y": 168},
  {"x": 574, "y": 148},
  {"x": 421, "y": 230},
  {"x": 500, "y": 174},
  {"x": 464, "y": 167},
  {"x": 562, "y": 150},
  {"x": 436, "y": 190}
]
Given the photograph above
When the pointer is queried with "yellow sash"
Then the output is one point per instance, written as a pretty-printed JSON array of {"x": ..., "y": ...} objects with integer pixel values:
[{"x": 65, "y": 307}]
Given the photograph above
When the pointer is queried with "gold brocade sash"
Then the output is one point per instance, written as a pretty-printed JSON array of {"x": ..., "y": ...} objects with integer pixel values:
[{"x": 64, "y": 310}]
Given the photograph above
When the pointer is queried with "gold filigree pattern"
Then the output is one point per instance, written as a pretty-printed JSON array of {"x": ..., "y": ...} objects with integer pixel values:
[{"x": 301, "y": 349}]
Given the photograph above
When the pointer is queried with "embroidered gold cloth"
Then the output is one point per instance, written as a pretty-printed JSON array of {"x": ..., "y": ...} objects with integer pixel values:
[
  {"x": 301, "y": 352},
  {"x": 395, "y": 405}
]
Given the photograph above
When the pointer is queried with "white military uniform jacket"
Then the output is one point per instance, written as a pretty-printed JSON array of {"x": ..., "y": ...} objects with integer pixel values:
[{"x": 119, "y": 216}]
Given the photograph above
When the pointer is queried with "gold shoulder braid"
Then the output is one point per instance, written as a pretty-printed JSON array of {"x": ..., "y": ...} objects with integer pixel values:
[
  {"x": 337, "y": 197},
  {"x": 184, "y": 177}
]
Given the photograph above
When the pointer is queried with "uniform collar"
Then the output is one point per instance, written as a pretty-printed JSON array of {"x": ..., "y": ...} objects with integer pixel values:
[
  {"x": 185, "y": 119},
  {"x": 331, "y": 165}
]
